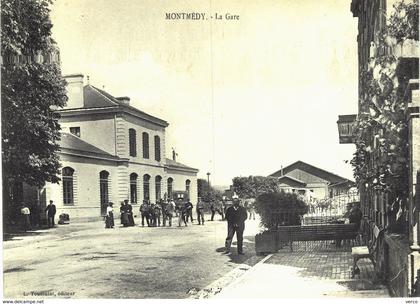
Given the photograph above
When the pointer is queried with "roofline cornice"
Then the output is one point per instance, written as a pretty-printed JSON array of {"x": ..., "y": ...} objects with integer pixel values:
[
  {"x": 189, "y": 170},
  {"x": 81, "y": 154},
  {"x": 112, "y": 110}
]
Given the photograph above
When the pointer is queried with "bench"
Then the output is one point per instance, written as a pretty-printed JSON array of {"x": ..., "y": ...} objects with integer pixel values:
[
  {"x": 335, "y": 232},
  {"x": 363, "y": 252}
]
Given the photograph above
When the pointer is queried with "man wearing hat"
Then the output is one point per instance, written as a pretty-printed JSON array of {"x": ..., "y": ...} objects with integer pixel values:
[
  {"x": 236, "y": 216},
  {"x": 51, "y": 210},
  {"x": 200, "y": 211}
]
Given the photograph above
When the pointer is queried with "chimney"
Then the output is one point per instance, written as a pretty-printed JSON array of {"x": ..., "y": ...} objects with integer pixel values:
[
  {"x": 124, "y": 99},
  {"x": 74, "y": 91}
]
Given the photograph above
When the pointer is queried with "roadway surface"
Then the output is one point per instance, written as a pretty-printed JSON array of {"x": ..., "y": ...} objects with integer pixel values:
[{"x": 85, "y": 260}]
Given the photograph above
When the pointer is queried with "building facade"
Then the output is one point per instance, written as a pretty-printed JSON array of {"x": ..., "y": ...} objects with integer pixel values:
[
  {"x": 110, "y": 152},
  {"x": 397, "y": 258},
  {"x": 313, "y": 183}
]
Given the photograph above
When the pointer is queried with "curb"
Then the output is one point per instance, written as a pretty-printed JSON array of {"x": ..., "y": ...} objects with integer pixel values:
[{"x": 228, "y": 280}]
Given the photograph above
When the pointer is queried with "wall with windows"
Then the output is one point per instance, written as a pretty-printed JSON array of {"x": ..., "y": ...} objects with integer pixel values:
[
  {"x": 98, "y": 130},
  {"x": 148, "y": 178},
  {"x": 84, "y": 192},
  {"x": 183, "y": 180},
  {"x": 149, "y": 141},
  {"x": 318, "y": 190}
]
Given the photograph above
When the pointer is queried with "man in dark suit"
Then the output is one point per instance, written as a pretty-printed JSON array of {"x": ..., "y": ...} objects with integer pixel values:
[
  {"x": 51, "y": 210},
  {"x": 235, "y": 216},
  {"x": 189, "y": 207}
]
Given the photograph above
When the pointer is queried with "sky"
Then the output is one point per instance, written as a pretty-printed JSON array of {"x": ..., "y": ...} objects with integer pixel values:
[{"x": 242, "y": 97}]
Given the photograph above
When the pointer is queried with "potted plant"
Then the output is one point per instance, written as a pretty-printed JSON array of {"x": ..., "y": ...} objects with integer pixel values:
[{"x": 277, "y": 209}]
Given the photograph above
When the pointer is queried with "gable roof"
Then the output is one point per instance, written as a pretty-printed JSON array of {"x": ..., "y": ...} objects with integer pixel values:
[
  {"x": 331, "y": 177},
  {"x": 97, "y": 99},
  {"x": 292, "y": 179},
  {"x": 72, "y": 144},
  {"x": 171, "y": 164}
]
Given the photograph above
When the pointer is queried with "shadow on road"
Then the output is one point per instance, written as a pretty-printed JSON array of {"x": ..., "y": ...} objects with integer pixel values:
[
  {"x": 13, "y": 235},
  {"x": 248, "y": 249}
]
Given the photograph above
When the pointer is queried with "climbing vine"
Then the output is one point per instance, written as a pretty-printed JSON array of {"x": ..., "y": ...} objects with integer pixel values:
[{"x": 381, "y": 131}]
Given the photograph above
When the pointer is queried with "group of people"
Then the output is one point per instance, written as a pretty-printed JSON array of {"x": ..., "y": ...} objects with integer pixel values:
[
  {"x": 151, "y": 214},
  {"x": 162, "y": 212},
  {"x": 155, "y": 214},
  {"x": 31, "y": 215}
]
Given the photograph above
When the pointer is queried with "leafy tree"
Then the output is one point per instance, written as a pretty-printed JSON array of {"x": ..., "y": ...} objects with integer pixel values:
[
  {"x": 280, "y": 209},
  {"x": 253, "y": 186},
  {"x": 202, "y": 187},
  {"x": 32, "y": 88},
  {"x": 207, "y": 192}
]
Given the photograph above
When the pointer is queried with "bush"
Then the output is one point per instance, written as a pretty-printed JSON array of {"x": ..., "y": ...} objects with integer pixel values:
[{"x": 280, "y": 209}]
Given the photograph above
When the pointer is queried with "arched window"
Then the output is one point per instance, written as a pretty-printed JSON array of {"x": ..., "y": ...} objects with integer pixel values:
[
  {"x": 68, "y": 196},
  {"x": 133, "y": 188},
  {"x": 170, "y": 181},
  {"x": 187, "y": 187},
  {"x": 146, "y": 187},
  {"x": 145, "y": 137},
  {"x": 132, "y": 142},
  {"x": 158, "y": 185},
  {"x": 157, "y": 148},
  {"x": 103, "y": 188}
]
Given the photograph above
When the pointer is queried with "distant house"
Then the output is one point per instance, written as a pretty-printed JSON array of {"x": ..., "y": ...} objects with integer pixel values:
[
  {"x": 229, "y": 193},
  {"x": 312, "y": 182}
]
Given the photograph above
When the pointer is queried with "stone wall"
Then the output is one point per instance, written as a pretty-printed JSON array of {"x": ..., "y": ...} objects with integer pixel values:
[{"x": 397, "y": 264}]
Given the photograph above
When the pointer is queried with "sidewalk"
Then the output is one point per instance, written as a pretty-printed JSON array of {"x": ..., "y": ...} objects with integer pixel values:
[{"x": 320, "y": 271}]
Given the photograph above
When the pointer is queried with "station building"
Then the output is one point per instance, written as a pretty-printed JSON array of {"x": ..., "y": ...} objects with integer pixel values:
[{"x": 111, "y": 151}]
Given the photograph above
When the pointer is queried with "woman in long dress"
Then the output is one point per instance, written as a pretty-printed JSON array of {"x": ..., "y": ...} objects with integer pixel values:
[
  {"x": 124, "y": 215},
  {"x": 109, "y": 220},
  {"x": 129, "y": 210}
]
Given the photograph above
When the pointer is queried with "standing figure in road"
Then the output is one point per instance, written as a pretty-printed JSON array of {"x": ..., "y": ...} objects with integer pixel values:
[
  {"x": 249, "y": 206},
  {"x": 213, "y": 210},
  {"x": 189, "y": 210},
  {"x": 124, "y": 215},
  {"x": 109, "y": 219},
  {"x": 182, "y": 214},
  {"x": 152, "y": 217},
  {"x": 235, "y": 216},
  {"x": 129, "y": 209},
  {"x": 169, "y": 212},
  {"x": 216, "y": 207},
  {"x": 157, "y": 210},
  {"x": 26, "y": 213},
  {"x": 145, "y": 214},
  {"x": 51, "y": 210},
  {"x": 162, "y": 204},
  {"x": 200, "y": 212}
]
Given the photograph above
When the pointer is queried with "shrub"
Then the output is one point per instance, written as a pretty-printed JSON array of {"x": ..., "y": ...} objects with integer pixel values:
[{"x": 280, "y": 209}]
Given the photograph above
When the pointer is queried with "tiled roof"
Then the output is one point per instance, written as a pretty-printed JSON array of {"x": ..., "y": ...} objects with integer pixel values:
[
  {"x": 71, "y": 143},
  {"x": 331, "y": 177},
  {"x": 176, "y": 165},
  {"x": 293, "y": 179},
  {"x": 94, "y": 98}
]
